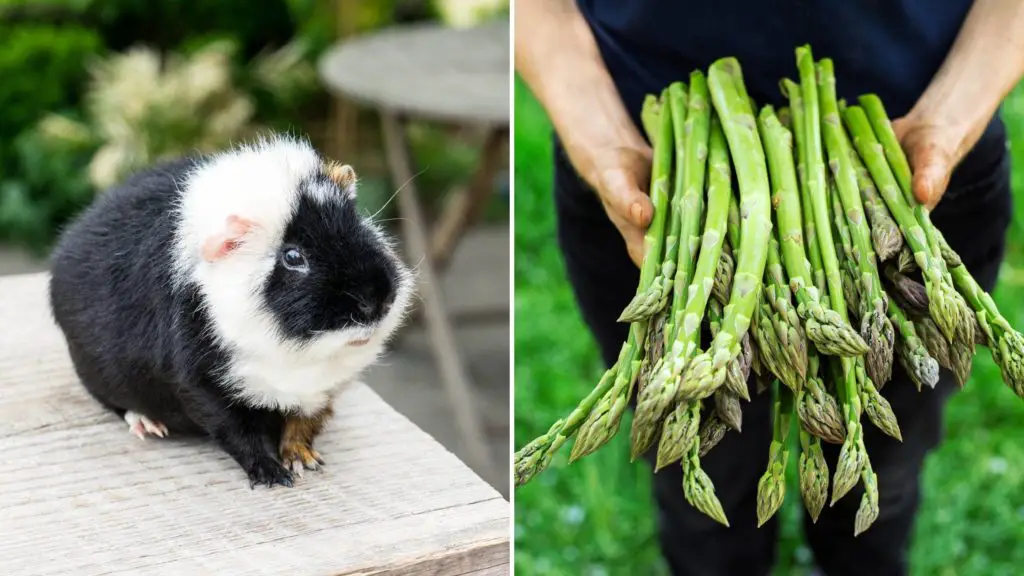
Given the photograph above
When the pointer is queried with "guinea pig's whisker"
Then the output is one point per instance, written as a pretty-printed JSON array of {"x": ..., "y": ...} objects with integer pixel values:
[{"x": 406, "y": 183}]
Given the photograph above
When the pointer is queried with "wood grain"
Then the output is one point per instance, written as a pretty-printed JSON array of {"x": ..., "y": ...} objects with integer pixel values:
[{"x": 80, "y": 495}]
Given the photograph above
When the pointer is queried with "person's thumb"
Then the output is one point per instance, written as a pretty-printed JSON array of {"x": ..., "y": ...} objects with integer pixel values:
[
  {"x": 622, "y": 192},
  {"x": 931, "y": 166}
]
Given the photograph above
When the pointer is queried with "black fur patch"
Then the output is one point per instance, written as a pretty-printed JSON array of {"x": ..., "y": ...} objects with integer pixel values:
[
  {"x": 351, "y": 279},
  {"x": 136, "y": 342}
]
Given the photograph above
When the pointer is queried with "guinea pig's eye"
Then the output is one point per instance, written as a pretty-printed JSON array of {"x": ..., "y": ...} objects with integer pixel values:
[{"x": 292, "y": 258}]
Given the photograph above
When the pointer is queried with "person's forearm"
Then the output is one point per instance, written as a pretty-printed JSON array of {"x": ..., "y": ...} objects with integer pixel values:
[
  {"x": 557, "y": 57},
  {"x": 986, "y": 62}
]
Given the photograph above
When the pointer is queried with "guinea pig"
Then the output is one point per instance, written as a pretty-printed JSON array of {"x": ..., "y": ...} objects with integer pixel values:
[{"x": 232, "y": 295}]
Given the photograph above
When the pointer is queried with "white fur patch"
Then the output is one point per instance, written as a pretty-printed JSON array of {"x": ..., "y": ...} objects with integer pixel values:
[{"x": 261, "y": 183}]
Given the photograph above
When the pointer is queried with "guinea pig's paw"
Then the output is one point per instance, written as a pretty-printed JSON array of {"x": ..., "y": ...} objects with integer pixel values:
[
  {"x": 142, "y": 426},
  {"x": 266, "y": 471},
  {"x": 299, "y": 456}
]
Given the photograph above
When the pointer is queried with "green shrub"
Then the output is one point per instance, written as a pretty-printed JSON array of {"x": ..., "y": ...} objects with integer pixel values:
[
  {"x": 42, "y": 69},
  {"x": 51, "y": 185}
]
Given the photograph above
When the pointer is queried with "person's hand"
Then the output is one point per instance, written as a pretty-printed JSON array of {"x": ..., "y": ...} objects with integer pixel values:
[
  {"x": 933, "y": 148},
  {"x": 557, "y": 57},
  {"x": 985, "y": 63},
  {"x": 620, "y": 176}
]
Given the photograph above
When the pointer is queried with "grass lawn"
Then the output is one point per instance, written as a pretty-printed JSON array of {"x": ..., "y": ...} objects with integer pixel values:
[{"x": 595, "y": 517}]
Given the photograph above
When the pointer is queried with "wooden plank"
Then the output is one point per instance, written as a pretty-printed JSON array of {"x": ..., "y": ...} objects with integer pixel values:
[{"x": 80, "y": 495}]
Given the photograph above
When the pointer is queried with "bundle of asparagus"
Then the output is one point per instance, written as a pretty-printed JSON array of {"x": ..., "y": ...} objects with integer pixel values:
[{"x": 814, "y": 279}]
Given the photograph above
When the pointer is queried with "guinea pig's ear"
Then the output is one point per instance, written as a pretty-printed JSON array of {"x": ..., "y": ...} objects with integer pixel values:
[
  {"x": 223, "y": 243},
  {"x": 344, "y": 176}
]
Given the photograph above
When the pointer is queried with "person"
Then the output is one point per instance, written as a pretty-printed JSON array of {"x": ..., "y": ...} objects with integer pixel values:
[{"x": 941, "y": 68}]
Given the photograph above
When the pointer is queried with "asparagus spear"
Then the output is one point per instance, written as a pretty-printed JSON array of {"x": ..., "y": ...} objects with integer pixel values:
[
  {"x": 942, "y": 297},
  {"x": 1006, "y": 344},
  {"x": 853, "y": 455},
  {"x": 655, "y": 399},
  {"x": 910, "y": 293},
  {"x": 712, "y": 430},
  {"x": 915, "y": 357},
  {"x": 649, "y": 116},
  {"x": 603, "y": 421},
  {"x": 533, "y": 458},
  {"x": 654, "y": 345},
  {"x": 905, "y": 261},
  {"x": 877, "y": 408},
  {"x": 707, "y": 371},
  {"x": 867, "y": 513},
  {"x": 733, "y": 228},
  {"x": 787, "y": 323},
  {"x": 818, "y": 411},
  {"x": 795, "y": 94},
  {"x": 739, "y": 370},
  {"x": 723, "y": 276},
  {"x": 696, "y": 133},
  {"x": 771, "y": 488},
  {"x": 660, "y": 250},
  {"x": 885, "y": 234},
  {"x": 934, "y": 341},
  {"x": 813, "y": 475},
  {"x": 963, "y": 338},
  {"x": 679, "y": 432},
  {"x": 829, "y": 332},
  {"x": 768, "y": 344},
  {"x": 698, "y": 489},
  {"x": 844, "y": 251},
  {"x": 951, "y": 258},
  {"x": 728, "y": 409},
  {"x": 875, "y": 327}
]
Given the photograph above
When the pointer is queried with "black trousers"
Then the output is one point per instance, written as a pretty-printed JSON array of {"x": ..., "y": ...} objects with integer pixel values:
[{"x": 973, "y": 216}]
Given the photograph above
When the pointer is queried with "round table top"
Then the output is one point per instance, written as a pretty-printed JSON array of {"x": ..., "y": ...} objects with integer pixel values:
[{"x": 427, "y": 70}]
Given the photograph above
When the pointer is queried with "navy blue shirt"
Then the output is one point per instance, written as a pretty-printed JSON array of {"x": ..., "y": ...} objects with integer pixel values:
[{"x": 892, "y": 48}]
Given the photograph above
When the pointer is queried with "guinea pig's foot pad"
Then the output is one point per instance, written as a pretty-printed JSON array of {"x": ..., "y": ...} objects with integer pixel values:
[
  {"x": 298, "y": 456},
  {"x": 142, "y": 426}
]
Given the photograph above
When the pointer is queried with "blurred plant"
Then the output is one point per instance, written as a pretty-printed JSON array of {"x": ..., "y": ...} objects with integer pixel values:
[
  {"x": 42, "y": 69},
  {"x": 285, "y": 86},
  {"x": 465, "y": 13},
  {"x": 162, "y": 24},
  {"x": 51, "y": 185},
  {"x": 143, "y": 108}
]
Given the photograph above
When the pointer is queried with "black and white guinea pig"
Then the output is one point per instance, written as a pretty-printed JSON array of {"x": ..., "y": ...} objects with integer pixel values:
[{"x": 225, "y": 295}]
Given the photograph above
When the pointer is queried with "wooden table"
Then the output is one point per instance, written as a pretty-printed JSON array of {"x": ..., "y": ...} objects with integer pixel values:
[
  {"x": 80, "y": 495},
  {"x": 454, "y": 76}
]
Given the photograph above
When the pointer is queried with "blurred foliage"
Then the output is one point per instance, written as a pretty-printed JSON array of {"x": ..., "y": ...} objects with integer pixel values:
[
  {"x": 42, "y": 68},
  {"x": 163, "y": 24},
  {"x": 52, "y": 184},
  {"x": 100, "y": 87},
  {"x": 93, "y": 89}
]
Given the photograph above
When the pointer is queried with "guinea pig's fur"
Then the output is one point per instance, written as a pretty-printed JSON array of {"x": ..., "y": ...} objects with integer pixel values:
[{"x": 220, "y": 293}]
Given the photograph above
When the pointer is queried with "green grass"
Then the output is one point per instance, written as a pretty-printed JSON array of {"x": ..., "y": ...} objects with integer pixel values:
[{"x": 595, "y": 517}]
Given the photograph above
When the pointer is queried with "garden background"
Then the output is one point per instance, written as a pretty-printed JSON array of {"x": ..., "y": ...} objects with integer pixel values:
[
  {"x": 595, "y": 517},
  {"x": 93, "y": 89}
]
